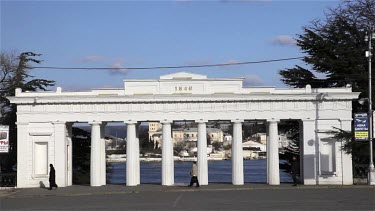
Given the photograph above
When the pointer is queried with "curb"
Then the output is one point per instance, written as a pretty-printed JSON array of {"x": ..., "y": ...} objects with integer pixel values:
[{"x": 13, "y": 193}]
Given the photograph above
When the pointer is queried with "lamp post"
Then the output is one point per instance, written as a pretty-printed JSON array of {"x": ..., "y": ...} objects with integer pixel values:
[{"x": 371, "y": 171}]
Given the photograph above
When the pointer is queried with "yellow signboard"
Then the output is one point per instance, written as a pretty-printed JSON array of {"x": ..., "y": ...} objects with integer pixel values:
[{"x": 360, "y": 135}]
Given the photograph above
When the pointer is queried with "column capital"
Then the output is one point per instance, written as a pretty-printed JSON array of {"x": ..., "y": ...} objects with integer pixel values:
[
  {"x": 273, "y": 120},
  {"x": 130, "y": 121},
  {"x": 22, "y": 123},
  {"x": 58, "y": 122},
  {"x": 166, "y": 121},
  {"x": 308, "y": 120},
  {"x": 237, "y": 120},
  {"x": 69, "y": 124},
  {"x": 201, "y": 120},
  {"x": 344, "y": 120},
  {"x": 95, "y": 123}
]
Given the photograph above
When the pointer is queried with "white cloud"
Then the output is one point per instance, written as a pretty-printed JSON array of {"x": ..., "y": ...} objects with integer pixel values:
[
  {"x": 118, "y": 63},
  {"x": 253, "y": 80},
  {"x": 283, "y": 40},
  {"x": 91, "y": 59}
]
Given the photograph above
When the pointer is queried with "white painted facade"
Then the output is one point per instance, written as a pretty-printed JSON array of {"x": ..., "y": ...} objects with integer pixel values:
[{"x": 44, "y": 121}]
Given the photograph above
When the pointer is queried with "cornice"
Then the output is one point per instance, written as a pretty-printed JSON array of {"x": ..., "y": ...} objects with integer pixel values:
[{"x": 261, "y": 97}]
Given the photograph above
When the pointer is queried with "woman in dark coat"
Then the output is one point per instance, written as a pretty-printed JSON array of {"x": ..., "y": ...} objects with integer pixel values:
[{"x": 52, "y": 177}]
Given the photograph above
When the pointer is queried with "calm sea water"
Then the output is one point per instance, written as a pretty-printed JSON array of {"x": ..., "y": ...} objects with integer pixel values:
[{"x": 255, "y": 171}]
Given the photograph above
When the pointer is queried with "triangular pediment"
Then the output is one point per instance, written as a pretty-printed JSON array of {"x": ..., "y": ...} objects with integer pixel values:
[{"x": 183, "y": 75}]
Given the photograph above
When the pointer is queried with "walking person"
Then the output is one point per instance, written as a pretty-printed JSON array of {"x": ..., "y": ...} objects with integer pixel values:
[
  {"x": 52, "y": 177},
  {"x": 295, "y": 170},
  {"x": 194, "y": 174}
]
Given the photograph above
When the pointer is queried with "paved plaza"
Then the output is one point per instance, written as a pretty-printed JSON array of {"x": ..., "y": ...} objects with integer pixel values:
[{"x": 180, "y": 197}]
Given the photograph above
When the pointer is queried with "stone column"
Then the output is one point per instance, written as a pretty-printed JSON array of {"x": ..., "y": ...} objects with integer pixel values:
[
  {"x": 103, "y": 163},
  {"x": 308, "y": 171},
  {"x": 273, "y": 174},
  {"x": 22, "y": 154},
  {"x": 95, "y": 162},
  {"x": 202, "y": 153},
  {"x": 131, "y": 154},
  {"x": 69, "y": 128},
  {"x": 167, "y": 176},
  {"x": 138, "y": 167},
  {"x": 61, "y": 155},
  {"x": 347, "y": 166},
  {"x": 237, "y": 154}
]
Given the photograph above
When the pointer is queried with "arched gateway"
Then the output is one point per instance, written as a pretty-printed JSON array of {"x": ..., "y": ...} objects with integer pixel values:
[{"x": 45, "y": 121}]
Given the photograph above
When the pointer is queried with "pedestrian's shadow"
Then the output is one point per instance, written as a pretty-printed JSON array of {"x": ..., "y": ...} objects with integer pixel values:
[{"x": 42, "y": 185}]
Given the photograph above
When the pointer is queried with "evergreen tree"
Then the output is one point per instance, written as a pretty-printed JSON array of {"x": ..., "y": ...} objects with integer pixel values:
[
  {"x": 335, "y": 46},
  {"x": 14, "y": 74}
]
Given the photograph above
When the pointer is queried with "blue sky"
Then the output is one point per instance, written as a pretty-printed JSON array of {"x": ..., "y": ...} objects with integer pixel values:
[{"x": 156, "y": 33}]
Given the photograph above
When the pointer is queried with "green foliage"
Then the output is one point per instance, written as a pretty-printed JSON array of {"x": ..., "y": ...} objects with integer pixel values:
[
  {"x": 300, "y": 77},
  {"x": 359, "y": 149},
  {"x": 217, "y": 145},
  {"x": 335, "y": 46},
  {"x": 14, "y": 74},
  {"x": 178, "y": 147},
  {"x": 227, "y": 147}
]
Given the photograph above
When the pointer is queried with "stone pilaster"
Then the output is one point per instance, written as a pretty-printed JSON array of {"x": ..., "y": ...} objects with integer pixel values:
[
  {"x": 69, "y": 128},
  {"x": 61, "y": 155},
  {"x": 102, "y": 154},
  {"x": 347, "y": 167},
  {"x": 309, "y": 146},
  {"x": 138, "y": 163},
  {"x": 22, "y": 154}
]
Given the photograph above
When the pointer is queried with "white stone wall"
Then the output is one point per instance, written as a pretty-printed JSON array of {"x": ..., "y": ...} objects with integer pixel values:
[{"x": 42, "y": 116}]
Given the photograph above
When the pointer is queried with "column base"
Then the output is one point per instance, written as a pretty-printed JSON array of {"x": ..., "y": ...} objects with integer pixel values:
[{"x": 371, "y": 177}]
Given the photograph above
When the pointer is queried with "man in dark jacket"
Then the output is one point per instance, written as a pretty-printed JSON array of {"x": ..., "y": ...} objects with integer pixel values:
[
  {"x": 295, "y": 170},
  {"x": 52, "y": 177}
]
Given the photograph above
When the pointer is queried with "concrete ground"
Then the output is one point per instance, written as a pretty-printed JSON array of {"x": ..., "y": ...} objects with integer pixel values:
[{"x": 179, "y": 197}]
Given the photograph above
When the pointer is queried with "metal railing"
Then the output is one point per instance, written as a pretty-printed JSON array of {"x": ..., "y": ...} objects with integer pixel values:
[{"x": 8, "y": 179}]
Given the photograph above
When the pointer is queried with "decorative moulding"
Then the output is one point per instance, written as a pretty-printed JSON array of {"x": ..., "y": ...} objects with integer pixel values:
[{"x": 40, "y": 133}]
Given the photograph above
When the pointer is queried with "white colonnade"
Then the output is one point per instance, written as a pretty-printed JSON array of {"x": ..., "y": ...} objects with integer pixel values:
[
  {"x": 167, "y": 172},
  {"x": 45, "y": 118}
]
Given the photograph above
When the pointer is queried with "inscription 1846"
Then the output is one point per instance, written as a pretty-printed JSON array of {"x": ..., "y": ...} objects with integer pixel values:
[{"x": 183, "y": 88}]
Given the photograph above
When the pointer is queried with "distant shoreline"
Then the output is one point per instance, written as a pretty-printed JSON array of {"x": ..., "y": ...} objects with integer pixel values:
[
  {"x": 122, "y": 159},
  {"x": 190, "y": 159}
]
